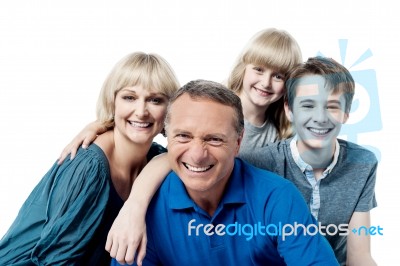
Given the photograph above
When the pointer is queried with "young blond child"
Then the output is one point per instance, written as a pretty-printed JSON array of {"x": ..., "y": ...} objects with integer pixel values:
[{"x": 258, "y": 79}]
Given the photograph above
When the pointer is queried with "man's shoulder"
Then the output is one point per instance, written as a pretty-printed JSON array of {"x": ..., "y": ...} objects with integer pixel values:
[
  {"x": 172, "y": 185},
  {"x": 258, "y": 176}
]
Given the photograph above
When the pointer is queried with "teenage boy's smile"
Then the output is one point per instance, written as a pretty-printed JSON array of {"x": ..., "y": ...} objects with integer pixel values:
[{"x": 320, "y": 131}]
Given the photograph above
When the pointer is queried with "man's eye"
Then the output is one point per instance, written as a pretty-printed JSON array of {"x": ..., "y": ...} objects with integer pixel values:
[
  {"x": 307, "y": 106},
  {"x": 182, "y": 137},
  {"x": 215, "y": 141}
]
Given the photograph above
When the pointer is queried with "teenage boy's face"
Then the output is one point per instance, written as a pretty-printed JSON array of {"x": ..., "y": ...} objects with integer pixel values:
[{"x": 317, "y": 113}]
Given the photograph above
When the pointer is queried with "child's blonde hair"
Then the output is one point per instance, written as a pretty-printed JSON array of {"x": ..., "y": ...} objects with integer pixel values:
[
  {"x": 148, "y": 70},
  {"x": 275, "y": 49}
]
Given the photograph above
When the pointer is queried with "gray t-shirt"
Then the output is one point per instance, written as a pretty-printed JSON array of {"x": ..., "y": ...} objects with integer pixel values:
[
  {"x": 255, "y": 137},
  {"x": 348, "y": 188}
]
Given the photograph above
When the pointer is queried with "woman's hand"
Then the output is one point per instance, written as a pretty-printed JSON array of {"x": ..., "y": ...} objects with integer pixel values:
[
  {"x": 128, "y": 234},
  {"x": 85, "y": 137}
]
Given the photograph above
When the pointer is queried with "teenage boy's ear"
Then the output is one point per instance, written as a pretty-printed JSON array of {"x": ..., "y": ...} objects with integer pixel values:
[
  {"x": 288, "y": 112},
  {"x": 345, "y": 118}
]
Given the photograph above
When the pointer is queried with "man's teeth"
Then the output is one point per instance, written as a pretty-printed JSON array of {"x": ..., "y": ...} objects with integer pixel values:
[
  {"x": 139, "y": 124},
  {"x": 319, "y": 131},
  {"x": 197, "y": 169}
]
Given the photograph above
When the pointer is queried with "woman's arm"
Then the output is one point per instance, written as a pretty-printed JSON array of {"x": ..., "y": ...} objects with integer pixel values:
[
  {"x": 359, "y": 245},
  {"x": 71, "y": 218},
  {"x": 85, "y": 137},
  {"x": 128, "y": 232}
]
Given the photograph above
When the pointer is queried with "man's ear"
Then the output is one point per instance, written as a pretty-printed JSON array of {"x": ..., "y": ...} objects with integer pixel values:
[
  {"x": 239, "y": 141},
  {"x": 288, "y": 112}
]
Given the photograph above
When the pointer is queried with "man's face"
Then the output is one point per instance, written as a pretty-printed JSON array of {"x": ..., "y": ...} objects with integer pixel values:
[
  {"x": 317, "y": 113},
  {"x": 202, "y": 143}
]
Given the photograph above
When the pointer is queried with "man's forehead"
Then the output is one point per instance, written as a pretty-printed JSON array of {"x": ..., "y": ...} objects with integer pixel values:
[
  {"x": 201, "y": 109},
  {"x": 188, "y": 102}
]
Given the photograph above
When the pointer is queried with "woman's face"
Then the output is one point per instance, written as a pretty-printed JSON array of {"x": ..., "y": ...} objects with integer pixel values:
[
  {"x": 262, "y": 86},
  {"x": 139, "y": 113}
]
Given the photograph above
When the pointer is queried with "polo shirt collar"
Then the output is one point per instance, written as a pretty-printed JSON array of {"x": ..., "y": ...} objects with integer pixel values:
[{"x": 178, "y": 196}]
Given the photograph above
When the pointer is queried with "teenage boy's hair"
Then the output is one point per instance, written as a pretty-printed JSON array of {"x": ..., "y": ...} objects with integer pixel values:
[{"x": 336, "y": 76}]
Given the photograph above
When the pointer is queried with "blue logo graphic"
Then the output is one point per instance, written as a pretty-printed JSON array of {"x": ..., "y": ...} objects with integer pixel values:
[
  {"x": 372, "y": 230},
  {"x": 365, "y": 108}
]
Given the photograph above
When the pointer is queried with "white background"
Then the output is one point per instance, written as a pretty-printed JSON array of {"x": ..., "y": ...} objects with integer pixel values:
[{"x": 54, "y": 56}]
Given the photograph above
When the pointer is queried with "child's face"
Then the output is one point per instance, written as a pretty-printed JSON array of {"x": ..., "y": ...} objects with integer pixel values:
[
  {"x": 317, "y": 113},
  {"x": 261, "y": 86}
]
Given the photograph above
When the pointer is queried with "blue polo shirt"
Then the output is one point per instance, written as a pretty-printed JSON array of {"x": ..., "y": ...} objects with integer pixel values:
[{"x": 262, "y": 219}]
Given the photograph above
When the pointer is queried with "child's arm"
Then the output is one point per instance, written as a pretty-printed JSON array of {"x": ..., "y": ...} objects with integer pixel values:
[
  {"x": 359, "y": 246},
  {"x": 85, "y": 137},
  {"x": 128, "y": 232}
]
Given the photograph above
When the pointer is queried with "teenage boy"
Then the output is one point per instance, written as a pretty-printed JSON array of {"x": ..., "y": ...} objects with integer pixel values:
[{"x": 336, "y": 177}]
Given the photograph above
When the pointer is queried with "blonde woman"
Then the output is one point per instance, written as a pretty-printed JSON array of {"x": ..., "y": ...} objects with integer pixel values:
[{"x": 66, "y": 218}]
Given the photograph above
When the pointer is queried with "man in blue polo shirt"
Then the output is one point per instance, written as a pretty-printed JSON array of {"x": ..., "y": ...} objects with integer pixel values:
[{"x": 215, "y": 209}]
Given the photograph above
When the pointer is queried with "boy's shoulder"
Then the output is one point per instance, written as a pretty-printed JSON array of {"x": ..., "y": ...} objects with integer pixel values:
[
  {"x": 356, "y": 152},
  {"x": 277, "y": 147}
]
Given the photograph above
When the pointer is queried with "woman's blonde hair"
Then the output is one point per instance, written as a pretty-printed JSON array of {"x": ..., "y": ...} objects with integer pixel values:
[
  {"x": 151, "y": 71},
  {"x": 275, "y": 49}
]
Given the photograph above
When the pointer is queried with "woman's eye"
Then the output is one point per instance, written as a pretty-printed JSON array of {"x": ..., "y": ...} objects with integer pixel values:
[
  {"x": 156, "y": 100},
  {"x": 258, "y": 69},
  {"x": 128, "y": 98}
]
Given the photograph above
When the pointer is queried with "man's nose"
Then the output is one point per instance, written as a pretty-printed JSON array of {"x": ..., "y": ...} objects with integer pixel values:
[{"x": 198, "y": 151}]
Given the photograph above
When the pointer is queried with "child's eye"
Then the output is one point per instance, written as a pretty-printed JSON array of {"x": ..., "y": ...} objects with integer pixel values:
[
  {"x": 279, "y": 76},
  {"x": 333, "y": 107},
  {"x": 307, "y": 106}
]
